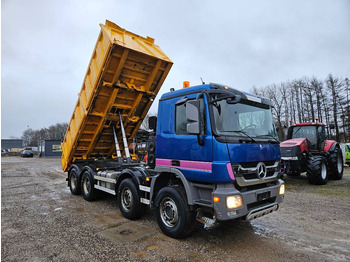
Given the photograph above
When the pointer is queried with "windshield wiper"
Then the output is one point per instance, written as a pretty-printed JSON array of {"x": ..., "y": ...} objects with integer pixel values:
[
  {"x": 295, "y": 132},
  {"x": 274, "y": 138},
  {"x": 241, "y": 132}
]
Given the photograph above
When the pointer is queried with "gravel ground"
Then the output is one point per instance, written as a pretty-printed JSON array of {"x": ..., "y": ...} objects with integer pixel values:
[{"x": 42, "y": 221}]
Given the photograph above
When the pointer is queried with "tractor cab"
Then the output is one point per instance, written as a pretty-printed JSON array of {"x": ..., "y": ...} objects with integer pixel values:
[{"x": 314, "y": 133}]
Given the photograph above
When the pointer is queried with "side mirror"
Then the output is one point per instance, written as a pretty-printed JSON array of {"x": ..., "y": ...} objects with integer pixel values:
[
  {"x": 152, "y": 123},
  {"x": 192, "y": 115},
  {"x": 233, "y": 100},
  {"x": 277, "y": 129}
]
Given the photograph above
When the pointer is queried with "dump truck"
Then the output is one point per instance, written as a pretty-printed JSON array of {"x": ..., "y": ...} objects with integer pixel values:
[{"x": 213, "y": 154}]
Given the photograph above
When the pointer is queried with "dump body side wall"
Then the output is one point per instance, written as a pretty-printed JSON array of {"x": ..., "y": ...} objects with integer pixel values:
[{"x": 124, "y": 76}]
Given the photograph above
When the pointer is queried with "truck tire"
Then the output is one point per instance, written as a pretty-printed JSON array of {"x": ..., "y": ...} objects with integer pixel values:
[
  {"x": 335, "y": 164},
  {"x": 88, "y": 190},
  {"x": 174, "y": 216},
  {"x": 317, "y": 170},
  {"x": 73, "y": 182},
  {"x": 129, "y": 200}
]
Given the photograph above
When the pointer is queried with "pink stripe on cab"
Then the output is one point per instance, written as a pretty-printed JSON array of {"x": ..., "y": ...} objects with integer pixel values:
[
  {"x": 197, "y": 165},
  {"x": 163, "y": 162},
  {"x": 185, "y": 164},
  {"x": 230, "y": 171}
]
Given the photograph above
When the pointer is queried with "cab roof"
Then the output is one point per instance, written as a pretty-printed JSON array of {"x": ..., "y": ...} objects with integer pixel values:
[
  {"x": 309, "y": 124},
  {"x": 219, "y": 87}
]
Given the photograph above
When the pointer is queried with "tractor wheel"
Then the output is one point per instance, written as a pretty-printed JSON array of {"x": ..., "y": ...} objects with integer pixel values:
[
  {"x": 317, "y": 170},
  {"x": 335, "y": 164}
]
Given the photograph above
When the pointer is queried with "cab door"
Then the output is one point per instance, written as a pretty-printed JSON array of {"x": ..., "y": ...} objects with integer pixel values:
[{"x": 193, "y": 159}]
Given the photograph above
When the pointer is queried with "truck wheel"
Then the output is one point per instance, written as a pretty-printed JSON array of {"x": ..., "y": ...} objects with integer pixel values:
[
  {"x": 335, "y": 167},
  {"x": 74, "y": 185},
  {"x": 317, "y": 170},
  {"x": 88, "y": 190},
  {"x": 129, "y": 200},
  {"x": 174, "y": 216}
]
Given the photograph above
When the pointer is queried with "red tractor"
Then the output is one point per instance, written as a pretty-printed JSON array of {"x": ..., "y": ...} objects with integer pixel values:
[{"x": 307, "y": 150}]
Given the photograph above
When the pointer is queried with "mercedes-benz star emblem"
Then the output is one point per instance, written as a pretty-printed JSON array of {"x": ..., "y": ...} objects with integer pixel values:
[{"x": 261, "y": 170}]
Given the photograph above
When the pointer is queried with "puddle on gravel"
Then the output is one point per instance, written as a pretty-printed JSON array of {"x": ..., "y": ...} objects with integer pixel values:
[
  {"x": 127, "y": 232},
  {"x": 261, "y": 230}
]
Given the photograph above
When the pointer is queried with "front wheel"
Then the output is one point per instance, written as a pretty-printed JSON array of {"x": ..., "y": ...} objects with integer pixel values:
[
  {"x": 336, "y": 164},
  {"x": 174, "y": 216},
  {"x": 317, "y": 170},
  {"x": 129, "y": 200}
]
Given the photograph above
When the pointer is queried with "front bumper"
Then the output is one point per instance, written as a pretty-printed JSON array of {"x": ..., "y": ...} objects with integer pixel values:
[{"x": 255, "y": 202}]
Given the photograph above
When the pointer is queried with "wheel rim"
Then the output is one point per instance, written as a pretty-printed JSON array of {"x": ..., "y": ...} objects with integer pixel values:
[
  {"x": 339, "y": 163},
  {"x": 168, "y": 212},
  {"x": 127, "y": 200},
  {"x": 73, "y": 182},
  {"x": 323, "y": 171},
  {"x": 86, "y": 185}
]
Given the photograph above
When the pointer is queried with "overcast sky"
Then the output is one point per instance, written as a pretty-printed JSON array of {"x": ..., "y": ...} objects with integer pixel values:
[{"x": 46, "y": 47}]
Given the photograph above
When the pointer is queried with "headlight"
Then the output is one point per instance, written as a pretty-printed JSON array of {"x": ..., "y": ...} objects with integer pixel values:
[
  {"x": 233, "y": 201},
  {"x": 282, "y": 189}
]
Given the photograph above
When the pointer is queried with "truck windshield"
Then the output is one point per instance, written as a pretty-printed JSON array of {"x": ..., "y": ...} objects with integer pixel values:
[{"x": 242, "y": 119}]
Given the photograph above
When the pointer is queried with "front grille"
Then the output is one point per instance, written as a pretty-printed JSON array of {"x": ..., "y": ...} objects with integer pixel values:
[
  {"x": 255, "y": 163},
  {"x": 248, "y": 173}
]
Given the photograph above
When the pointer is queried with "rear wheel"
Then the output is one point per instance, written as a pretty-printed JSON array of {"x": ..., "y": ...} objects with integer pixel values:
[
  {"x": 335, "y": 164},
  {"x": 174, "y": 216},
  {"x": 74, "y": 185},
  {"x": 129, "y": 200},
  {"x": 88, "y": 190},
  {"x": 317, "y": 170}
]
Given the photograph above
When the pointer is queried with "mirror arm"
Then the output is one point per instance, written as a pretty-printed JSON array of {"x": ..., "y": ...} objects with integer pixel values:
[{"x": 200, "y": 140}]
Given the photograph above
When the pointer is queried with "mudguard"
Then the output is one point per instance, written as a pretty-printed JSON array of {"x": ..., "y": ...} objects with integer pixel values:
[
  {"x": 137, "y": 174},
  {"x": 329, "y": 145}
]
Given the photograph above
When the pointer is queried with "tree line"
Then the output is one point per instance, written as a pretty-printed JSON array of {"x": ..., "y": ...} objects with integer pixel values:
[
  {"x": 31, "y": 137},
  {"x": 310, "y": 99}
]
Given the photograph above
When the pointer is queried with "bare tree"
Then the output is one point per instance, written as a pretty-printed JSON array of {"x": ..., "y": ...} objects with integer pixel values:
[
  {"x": 335, "y": 86},
  {"x": 317, "y": 87},
  {"x": 347, "y": 108},
  {"x": 55, "y": 132},
  {"x": 307, "y": 99},
  {"x": 28, "y": 137}
]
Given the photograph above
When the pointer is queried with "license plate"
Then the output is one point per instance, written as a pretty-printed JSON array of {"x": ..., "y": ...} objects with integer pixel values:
[{"x": 263, "y": 196}]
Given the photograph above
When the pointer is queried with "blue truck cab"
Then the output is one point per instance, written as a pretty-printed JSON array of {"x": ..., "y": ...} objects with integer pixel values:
[{"x": 222, "y": 144}]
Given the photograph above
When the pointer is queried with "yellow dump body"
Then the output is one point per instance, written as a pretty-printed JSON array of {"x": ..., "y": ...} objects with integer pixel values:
[{"x": 124, "y": 75}]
